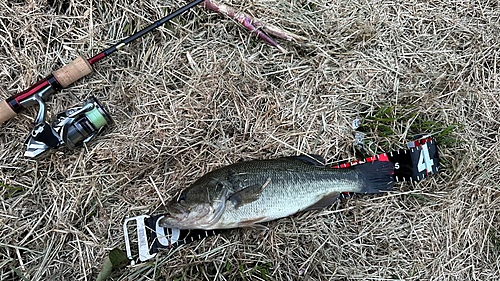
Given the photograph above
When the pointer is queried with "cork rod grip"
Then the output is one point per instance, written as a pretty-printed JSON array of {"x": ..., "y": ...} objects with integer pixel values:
[
  {"x": 72, "y": 71},
  {"x": 6, "y": 112}
]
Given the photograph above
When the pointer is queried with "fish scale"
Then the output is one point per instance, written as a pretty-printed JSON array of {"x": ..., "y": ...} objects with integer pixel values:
[
  {"x": 285, "y": 195},
  {"x": 251, "y": 192}
]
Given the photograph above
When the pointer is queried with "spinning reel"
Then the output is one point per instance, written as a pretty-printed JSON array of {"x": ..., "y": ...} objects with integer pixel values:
[{"x": 72, "y": 127}]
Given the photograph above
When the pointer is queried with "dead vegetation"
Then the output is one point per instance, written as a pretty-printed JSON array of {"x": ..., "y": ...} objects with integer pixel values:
[{"x": 201, "y": 93}]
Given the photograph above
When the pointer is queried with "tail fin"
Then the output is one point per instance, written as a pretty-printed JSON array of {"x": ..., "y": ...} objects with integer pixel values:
[{"x": 377, "y": 176}]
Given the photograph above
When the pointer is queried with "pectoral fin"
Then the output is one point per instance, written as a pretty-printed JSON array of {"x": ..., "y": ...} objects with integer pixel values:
[
  {"x": 326, "y": 201},
  {"x": 248, "y": 194}
]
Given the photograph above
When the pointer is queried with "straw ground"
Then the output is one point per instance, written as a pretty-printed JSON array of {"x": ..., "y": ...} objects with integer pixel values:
[{"x": 201, "y": 93}]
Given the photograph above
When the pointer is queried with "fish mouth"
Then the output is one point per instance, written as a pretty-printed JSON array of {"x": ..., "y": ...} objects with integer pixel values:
[
  {"x": 206, "y": 218},
  {"x": 176, "y": 212},
  {"x": 216, "y": 215},
  {"x": 181, "y": 215}
]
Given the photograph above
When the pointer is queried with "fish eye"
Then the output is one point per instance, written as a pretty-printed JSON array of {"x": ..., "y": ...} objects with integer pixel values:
[{"x": 181, "y": 198}]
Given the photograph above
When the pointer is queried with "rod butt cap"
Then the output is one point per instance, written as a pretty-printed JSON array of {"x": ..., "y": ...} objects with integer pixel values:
[{"x": 6, "y": 112}]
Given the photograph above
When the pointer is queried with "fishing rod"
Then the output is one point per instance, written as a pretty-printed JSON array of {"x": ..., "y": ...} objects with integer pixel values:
[
  {"x": 72, "y": 72},
  {"x": 76, "y": 125}
]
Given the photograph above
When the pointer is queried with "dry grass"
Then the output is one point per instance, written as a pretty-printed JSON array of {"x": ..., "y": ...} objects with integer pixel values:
[{"x": 239, "y": 99}]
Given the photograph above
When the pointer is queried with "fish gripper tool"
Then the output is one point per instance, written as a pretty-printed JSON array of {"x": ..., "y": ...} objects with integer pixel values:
[{"x": 152, "y": 238}]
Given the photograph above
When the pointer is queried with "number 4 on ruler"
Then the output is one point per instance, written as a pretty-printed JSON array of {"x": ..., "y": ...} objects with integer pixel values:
[{"x": 425, "y": 162}]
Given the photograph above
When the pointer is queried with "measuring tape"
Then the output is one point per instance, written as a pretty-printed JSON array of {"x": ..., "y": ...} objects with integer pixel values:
[{"x": 412, "y": 164}]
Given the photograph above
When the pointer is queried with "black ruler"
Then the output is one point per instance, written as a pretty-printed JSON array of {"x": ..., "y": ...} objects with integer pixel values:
[{"x": 415, "y": 163}]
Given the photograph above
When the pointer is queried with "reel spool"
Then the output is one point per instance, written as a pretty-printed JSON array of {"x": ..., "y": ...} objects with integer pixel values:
[{"x": 72, "y": 127}]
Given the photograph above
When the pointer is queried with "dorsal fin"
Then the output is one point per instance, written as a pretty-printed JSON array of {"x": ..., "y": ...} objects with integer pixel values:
[{"x": 312, "y": 159}]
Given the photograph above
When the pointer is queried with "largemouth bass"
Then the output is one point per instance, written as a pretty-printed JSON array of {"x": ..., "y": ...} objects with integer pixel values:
[{"x": 247, "y": 193}]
